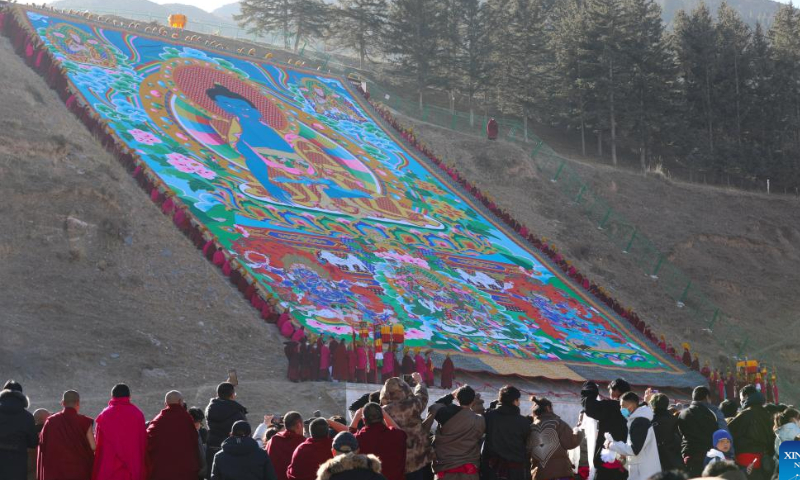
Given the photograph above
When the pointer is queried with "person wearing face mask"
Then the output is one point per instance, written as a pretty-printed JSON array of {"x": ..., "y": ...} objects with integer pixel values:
[
  {"x": 640, "y": 448},
  {"x": 609, "y": 421}
]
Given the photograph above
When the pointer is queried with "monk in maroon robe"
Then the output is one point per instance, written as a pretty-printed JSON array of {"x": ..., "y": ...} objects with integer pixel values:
[
  {"x": 324, "y": 360},
  {"x": 66, "y": 444},
  {"x": 352, "y": 363},
  {"x": 687, "y": 356},
  {"x": 408, "y": 366},
  {"x": 492, "y": 129},
  {"x": 420, "y": 367},
  {"x": 372, "y": 371},
  {"x": 340, "y": 362},
  {"x": 398, "y": 365},
  {"x": 313, "y": 373},
  {"x": 305, "y": 361},
  {"x": 696, "y": 364},
  {"x": 448, "y": 373},
  {"x": 730, "y": 387},
  {"x": 293, "y": 356},
  {"x": 172, "y": 452}
]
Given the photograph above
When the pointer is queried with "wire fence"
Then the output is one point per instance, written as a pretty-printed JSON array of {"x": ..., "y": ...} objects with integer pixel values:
[{"x": 687, "y": 294}]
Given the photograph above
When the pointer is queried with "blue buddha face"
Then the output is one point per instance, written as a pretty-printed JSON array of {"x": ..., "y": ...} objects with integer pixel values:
[{"x": 237, "y": 107}]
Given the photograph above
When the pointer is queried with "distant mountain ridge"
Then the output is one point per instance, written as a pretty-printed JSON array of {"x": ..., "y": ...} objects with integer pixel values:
[
  {"x": 752, "y": 11},
  {"x": 147, "y": 10}
]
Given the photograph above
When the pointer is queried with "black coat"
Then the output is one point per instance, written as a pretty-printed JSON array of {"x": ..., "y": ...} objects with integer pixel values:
[
  {"x": 668, "y": 439},
  {"x": 697, "y": 425},
  {"x": 242, "y": 459},
  {"x": 221, "y": 414},
  {"x": 752, "y": 431},
  {"x": 609, "y": 419},
  {"x": 17, "y": 435},
  {"x": 506, "y": 434}
]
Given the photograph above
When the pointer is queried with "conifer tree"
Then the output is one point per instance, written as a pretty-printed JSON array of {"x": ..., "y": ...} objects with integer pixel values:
[
  {"x": 732, "y": 71},
  {"x": 413, "y": 40},
  {"x": 604, "y": 55},
  {"x": 297, "y": 20},
  {"x": 360, "y": 25},
  {"x": 473, "y": 52},
  {"x": 696, "y": 50},
  {"x": 648, "y": 106}
]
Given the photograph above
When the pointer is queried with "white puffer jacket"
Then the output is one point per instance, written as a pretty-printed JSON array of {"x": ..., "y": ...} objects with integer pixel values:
[{"x": 641, "y": 448}]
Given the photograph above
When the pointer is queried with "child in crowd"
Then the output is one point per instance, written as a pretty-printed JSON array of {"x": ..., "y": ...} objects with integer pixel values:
[{"x": 723, "y": 441}]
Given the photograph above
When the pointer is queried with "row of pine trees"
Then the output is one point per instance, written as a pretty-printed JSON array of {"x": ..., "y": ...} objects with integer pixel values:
[{"x": 708, "y": 91}]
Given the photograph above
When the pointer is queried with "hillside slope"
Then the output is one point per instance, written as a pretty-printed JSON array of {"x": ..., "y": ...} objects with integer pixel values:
[
  {"x": 99, "y": 287},
  {"x": 742, "y": 249}
]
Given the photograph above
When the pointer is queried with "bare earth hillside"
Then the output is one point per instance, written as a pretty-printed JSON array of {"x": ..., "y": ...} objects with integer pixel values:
[
  {"x": 741, "y": 249},
  {"x": 98, "y": 287}
]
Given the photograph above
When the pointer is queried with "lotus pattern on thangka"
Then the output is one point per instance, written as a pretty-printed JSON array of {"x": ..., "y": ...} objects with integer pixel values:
[{"x": 295, "y": 176}]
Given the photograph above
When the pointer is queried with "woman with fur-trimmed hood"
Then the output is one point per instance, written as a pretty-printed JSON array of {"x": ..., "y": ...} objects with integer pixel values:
[
  {"x": 17, "y": 432},
  {"x": 406, "y": 407},
  {"x": 347, "y": 463}
]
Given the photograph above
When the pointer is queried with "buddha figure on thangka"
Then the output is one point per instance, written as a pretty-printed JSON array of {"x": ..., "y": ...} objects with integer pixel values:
[
  {"x": 80, "y": 46},
  {"x": 280, "y": 153}
]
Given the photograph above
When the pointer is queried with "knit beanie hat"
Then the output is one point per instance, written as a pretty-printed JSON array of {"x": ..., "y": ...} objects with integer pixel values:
[{"x": 719, "y": 435}]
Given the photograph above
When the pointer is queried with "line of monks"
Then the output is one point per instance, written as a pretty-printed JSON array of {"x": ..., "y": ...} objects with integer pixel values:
[{"x": 356, "y": 361}]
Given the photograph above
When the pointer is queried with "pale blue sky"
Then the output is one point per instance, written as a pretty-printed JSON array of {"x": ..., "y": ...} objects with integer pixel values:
[{"x": 207, "y": 5}]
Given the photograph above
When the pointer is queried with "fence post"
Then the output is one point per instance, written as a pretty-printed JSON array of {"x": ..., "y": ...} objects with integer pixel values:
[
  {"x": 580, "y": 193},
  {"x": 658, "y": 265},
  {"x": 630, "y": 242},
  {"x": 605, "y": 219},
  {"x": 713, "y": 319},
  {"x": 685, "y": 292},
  {"x": 558, "y": 172},
  {"x": 537, "y": 148}
]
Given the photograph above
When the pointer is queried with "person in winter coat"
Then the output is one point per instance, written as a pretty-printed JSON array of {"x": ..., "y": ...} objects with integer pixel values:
[
  {"x": 240, "y": 458},
  {"x": 504, "y": 454},
  {"x": 640, "y": 449},
  {"x": 723, "y": 446},
  {"x": 668, "y": 439},
  {"x": 787, "y": 427},
  {"x": 221, "y": 413},
  {"x": 347, "y": 464},
  {"x": 459, "y": 435},
  {"x": 549, "y": 442},
  {"x": 753, "y": 435},
  {"x": 405, "y": 407},
  {"x": 202, "y": 438},
  {"x": 697, "y": 425},
  {"x": 17, "y": 432},
  {"x": 609, "y": 420}
]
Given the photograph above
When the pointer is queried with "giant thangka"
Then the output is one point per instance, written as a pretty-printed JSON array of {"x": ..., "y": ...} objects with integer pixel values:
[{"x": 297, "y": 179}]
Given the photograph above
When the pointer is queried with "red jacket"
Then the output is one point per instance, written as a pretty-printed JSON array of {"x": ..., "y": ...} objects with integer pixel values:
[
  {"x": 280, "y": 449},
  {"x": 388, "y": 444},
  {"x": 307, "y": 458}
]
